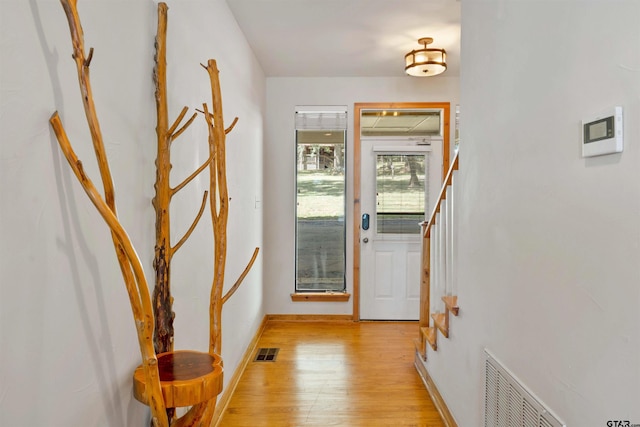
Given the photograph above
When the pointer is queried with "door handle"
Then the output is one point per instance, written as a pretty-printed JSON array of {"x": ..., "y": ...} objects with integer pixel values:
[
  {"x": 365, "y": 240},
  {"x": 365, "y": 222}
]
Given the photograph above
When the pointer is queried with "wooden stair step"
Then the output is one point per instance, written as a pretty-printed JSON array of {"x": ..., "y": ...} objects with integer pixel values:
[
  {"x": 441, "y": 322},
  {"x": 451, "y": 302},
  {"x": 431, "y": 337}
]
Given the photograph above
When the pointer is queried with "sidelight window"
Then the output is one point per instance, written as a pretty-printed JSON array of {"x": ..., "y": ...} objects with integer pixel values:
[{"x": 320, "y": 199}]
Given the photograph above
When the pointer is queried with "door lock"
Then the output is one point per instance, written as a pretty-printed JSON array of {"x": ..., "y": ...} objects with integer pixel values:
[{"x": 365, "y": 221}]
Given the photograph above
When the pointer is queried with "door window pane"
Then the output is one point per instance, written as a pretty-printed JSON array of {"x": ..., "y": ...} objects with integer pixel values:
[
  {"x": 400, "y": 191},
  {"x": 320, "y": 210}
]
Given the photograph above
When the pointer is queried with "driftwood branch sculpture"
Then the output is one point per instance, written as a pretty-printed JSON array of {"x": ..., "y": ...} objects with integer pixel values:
[
  {"x": 154, "y": 317},
  {"x": 219, "y": 205},
  {"x": 164, "y": 252},
  {"x": 236, "y": 285},
  {"x": 162, "y": 303},
  {"x": 179, "y": 119},
  {"x": 135, "y": 281},
  {"x": 193, "y": 224},
  {"x": 128, "y": 260}
]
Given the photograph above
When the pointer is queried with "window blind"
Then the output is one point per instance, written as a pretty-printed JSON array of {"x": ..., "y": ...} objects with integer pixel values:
[{"x": 321, "y": 118}]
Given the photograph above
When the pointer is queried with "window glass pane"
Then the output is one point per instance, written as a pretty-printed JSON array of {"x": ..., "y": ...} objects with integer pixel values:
[
  {"x": 404, "y": 123},
  {"x": 400, "y": 190},
  {"x": 320, "y": 210}
]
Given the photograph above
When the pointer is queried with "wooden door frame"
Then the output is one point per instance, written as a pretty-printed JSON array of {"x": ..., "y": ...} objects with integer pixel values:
[{"x": 446, "y": 143}]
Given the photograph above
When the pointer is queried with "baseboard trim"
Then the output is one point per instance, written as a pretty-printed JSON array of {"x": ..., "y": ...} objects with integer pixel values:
[
  {"x": 310, "y": 317},
  {"x": 227, "y": 393},
  {"x": 438, "y": 401}
]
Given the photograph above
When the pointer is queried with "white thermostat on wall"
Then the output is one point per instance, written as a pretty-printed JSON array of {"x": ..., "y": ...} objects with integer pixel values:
[{"x": 602, "y": 134}]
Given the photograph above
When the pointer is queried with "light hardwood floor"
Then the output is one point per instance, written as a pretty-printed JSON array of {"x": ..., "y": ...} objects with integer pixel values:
[{"x": 334, "y": 374}]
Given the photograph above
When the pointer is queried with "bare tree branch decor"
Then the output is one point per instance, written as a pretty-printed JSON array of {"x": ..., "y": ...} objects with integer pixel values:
[
  {"x": 219, "y": 204},
  {"x": 130, "y": 265},
  {"x": 200, "y": 373},
  {"x": 162, "y": 299}
]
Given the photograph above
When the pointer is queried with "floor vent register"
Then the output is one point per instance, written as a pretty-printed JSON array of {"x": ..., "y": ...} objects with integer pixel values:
[{"x": 266, "y": 355}]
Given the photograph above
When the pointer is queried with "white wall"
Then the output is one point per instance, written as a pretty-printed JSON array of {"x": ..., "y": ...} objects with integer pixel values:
[
  {"x": 283, "y": 94},
  {"x": 67, "y": 340},
  {"x": 549, "y": 242}
]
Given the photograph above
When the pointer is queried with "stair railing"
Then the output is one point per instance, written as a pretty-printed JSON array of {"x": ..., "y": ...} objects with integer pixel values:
[{"x": 437, "y": 296}]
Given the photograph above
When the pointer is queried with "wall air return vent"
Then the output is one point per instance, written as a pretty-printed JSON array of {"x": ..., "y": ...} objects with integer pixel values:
[{"x": 507, "y": 402}]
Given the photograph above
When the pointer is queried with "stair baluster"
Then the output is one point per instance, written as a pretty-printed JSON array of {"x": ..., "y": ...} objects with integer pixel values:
[{"x": 438, "y": 286}]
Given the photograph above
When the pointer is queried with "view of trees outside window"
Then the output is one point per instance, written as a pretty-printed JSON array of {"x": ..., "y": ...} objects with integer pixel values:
[
  {"x": 320, "y": 210},
  {"x": 400, "y": 191}
]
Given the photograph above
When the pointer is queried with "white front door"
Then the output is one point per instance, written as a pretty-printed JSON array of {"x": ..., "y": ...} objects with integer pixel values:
[{"x": 396, "y": 180}]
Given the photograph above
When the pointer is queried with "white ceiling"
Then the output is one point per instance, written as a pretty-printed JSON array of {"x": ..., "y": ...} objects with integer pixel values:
[{"x": 346, "y": 38}]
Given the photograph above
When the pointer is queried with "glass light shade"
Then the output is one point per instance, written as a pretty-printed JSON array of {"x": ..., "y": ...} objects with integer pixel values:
[{"x": 425, "y": 62}]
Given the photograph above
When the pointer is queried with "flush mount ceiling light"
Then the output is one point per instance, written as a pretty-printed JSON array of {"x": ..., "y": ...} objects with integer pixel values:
[{"x": 425, "y": 61}]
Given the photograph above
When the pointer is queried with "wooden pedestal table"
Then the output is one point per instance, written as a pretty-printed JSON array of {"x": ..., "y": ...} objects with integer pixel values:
[{"x": 187, "y": 378}]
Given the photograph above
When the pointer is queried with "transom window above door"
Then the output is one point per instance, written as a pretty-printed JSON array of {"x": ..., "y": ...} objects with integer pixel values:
[{"x": 401, "y": 123}]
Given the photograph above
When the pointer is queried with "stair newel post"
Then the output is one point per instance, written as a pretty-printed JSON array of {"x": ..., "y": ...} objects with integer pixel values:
[{"x": 425, "y": 279}]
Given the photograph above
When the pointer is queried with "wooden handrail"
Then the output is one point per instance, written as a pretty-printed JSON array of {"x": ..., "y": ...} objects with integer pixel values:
[
  {"x": 442, "y": 196},
  {"x": 440, "y": 319}
]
